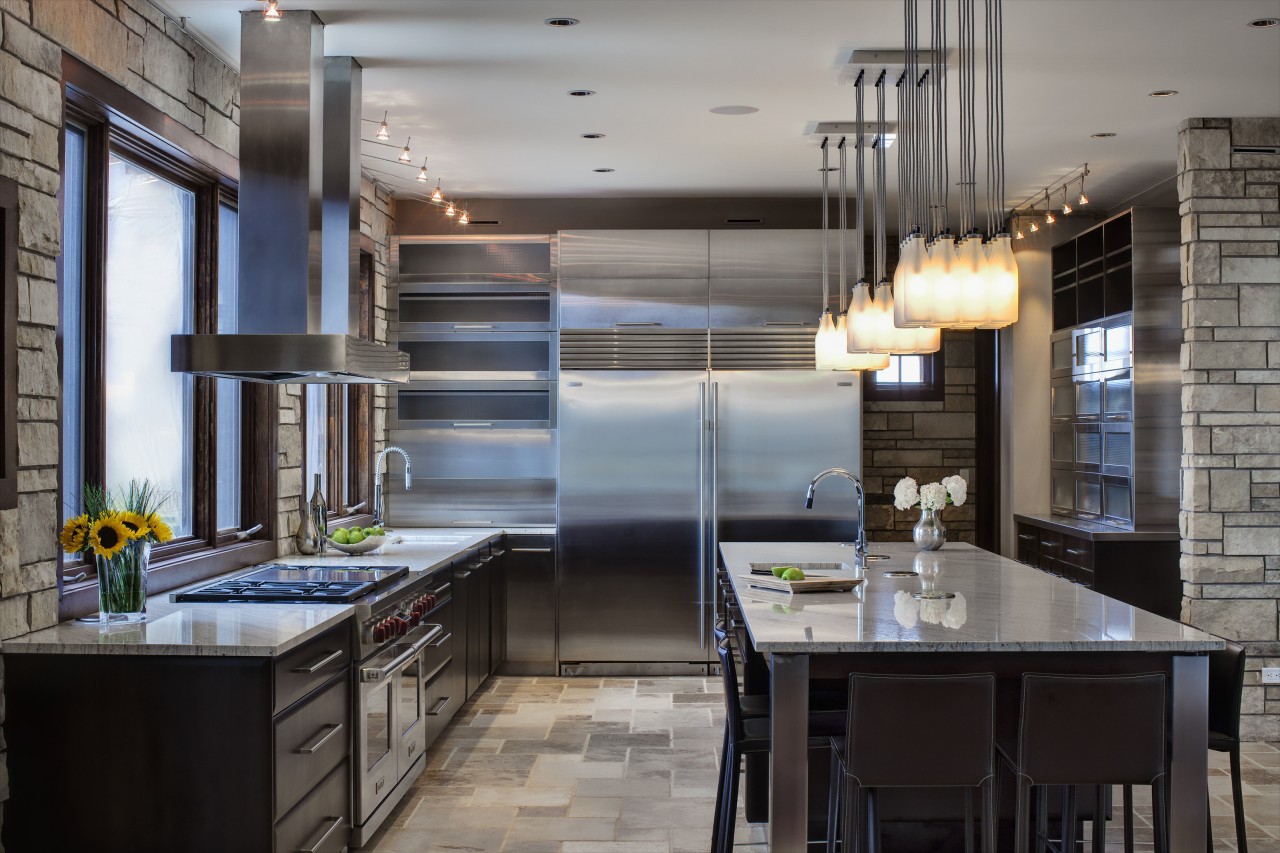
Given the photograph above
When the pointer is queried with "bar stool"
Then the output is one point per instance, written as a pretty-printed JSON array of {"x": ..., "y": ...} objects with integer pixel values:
[
  {"x": 1088, "y": 730},
  {"x": 913, "y": 731},
  {"x": 1226, "y": 682}
]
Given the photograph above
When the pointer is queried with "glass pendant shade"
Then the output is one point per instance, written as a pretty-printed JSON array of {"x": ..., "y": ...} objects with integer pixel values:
[
  {"x": 831, "y": 352},
  {"x": 927, "y": 297},
  {"x": 970, "y": 284},
  {"x": 908, "y": 279},
  {"x": 1002, "y": 284},
  {"x": 871, "y": 328}
]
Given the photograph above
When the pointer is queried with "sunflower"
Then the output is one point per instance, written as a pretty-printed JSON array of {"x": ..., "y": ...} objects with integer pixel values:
[
  {"x": 158, "y": 528},
  {"x": 136, "y": 524},
  {"x": 108, "y": 535},
  {"x": 74, "y": 533}
]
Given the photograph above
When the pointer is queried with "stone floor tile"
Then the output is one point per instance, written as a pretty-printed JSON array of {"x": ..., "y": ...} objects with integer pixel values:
[
  {"x": 562, "y": 829},
  {"x": 615, "y": 847},
  {"x": 522, "y": 796}
]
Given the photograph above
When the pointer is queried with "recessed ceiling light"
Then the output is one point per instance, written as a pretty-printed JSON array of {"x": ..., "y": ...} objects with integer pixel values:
[
  {"x": 602, "y": 170},
  {"x": 1263, "y": 23},
  {"x": 561, "y": 22},
  {"x": 1163, "y": 93},
  {"x": 592, "y": 135},
  {"x": 581, "y": 93},
  {"x": 1102, "y": 135},
  {"x": 734, "y": 110}
]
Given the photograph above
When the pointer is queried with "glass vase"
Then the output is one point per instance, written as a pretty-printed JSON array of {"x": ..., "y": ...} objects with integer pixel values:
[
  {"x": 930, "y": 533},
  {"x": 122, "y": 584}
]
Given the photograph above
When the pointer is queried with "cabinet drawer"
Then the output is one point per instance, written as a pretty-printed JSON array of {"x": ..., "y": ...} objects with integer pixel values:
[
  {"x": 321, "y": 823},
  {"x": 1078, "y": 552},
  {"x": 309, "y": 741},
  {"x": 305, "y": 668},
  {"x": 1028, "y": 540},
  {"x": 443, "y": 697}
]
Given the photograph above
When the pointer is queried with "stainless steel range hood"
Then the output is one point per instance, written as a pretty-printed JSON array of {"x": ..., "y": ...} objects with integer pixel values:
[{"x": 298, "y": 308}]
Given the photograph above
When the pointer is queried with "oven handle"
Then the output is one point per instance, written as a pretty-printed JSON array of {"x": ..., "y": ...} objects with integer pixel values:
[{"x": 370, "y": 673}]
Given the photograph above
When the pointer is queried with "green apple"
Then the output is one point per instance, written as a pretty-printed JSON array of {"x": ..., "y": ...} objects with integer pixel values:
[
  {"x": 340, "y": 536},
  {"x": 355, "y": 537}
]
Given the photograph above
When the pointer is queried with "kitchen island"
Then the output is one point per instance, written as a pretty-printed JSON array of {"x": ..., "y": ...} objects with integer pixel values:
[{"x": 1004, "y": 618}]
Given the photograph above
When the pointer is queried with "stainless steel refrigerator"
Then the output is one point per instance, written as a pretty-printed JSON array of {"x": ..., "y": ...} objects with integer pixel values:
[{"x": 677, "y": 430}]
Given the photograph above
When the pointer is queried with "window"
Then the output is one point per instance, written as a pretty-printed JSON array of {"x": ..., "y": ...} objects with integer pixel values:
[
  {"x": 907, "y": 378},
  {"x": 150, "y": 250},
  {"x": 9, "y": 342}
]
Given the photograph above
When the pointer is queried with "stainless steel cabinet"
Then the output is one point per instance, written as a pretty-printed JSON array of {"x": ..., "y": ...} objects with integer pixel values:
[
  {"x": 633, "y": 279},
  {"x": 765, "y": 279},
  {"x": 530, "y": 574}
]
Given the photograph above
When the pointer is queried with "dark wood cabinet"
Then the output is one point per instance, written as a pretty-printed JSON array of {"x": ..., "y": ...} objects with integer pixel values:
[
  {"x": 197, "y": 754},
  {"x": 1137, "y": 568}
]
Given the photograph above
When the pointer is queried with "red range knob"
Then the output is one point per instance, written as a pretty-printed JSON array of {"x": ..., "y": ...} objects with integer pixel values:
[
  {"x": 415, "y": 619},
  {"x": 379, "y": 634},
  {"x": 402, "y": 626}
]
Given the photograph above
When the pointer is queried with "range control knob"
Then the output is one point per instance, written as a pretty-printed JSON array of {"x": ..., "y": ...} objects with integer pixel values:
[
  {"x": 402, "y": 626},
  {"x": 379, "y": 634}
]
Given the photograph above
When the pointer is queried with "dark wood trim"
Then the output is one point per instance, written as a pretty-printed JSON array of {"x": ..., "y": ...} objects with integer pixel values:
[
  {"x": 259, "y": 420},
  {"x": 9, "y": 343},
  {"x": 987, "y": 431},
  {"x": 932, "y": 389},
  {"x": 81, "y": 599},
  {"x": 143, "y": 119}
]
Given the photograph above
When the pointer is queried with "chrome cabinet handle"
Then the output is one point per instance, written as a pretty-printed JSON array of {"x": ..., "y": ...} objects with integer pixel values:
[
  {"x": 464, "y": 574},
  {"x": 333, "y": 729},
  {"x": 1045, "y": 543},
  {"x": 472, "y": 424},
  {"x": 473, "y": 325},
  {"x": 333, "y": 827},
  {"x": 703, "y": 425},
  {"x": 1076, "y": 552},
  {"x": 790, "y": 324},
  {"x": 465, "y": 523},
  {"x": 1026, "y": 537},
  {"x": 438, "y": 591},
  {"x": 439, "y": 706},
  {"x": 318, "y": 665},
  {"x": 440, "y": 642},
  {"x": 531, "y": 550},
  {"x": 636, "y": 323}
]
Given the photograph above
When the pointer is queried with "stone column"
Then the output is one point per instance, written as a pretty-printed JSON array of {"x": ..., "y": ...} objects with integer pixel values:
[{"x": 1228, "y": 182}]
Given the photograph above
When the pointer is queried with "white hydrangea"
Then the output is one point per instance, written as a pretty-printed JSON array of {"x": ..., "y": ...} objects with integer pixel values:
[
  {"x": 906, "y": 494},
  {"x": 933, "y": 496},
  {"x": 957, "y": 488},
  {"x": 933, "y": 610},
  {"x": 957, "y": 612},
  {"x": 905, "y": 609}
]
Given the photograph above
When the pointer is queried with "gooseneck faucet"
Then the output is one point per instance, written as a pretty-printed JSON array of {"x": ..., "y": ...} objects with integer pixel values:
[
  {"x": 860, "y": 545},
  {"x": 379, "y": 502}
]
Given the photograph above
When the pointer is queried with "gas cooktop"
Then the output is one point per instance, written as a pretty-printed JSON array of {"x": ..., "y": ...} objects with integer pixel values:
[{"x": 298, "y": 584}]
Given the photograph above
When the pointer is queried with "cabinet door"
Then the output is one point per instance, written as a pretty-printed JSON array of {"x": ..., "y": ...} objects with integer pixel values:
[
  {"x": 462, "y": 587},
  {"x": 497, "y": 608},
  {"x": 530, "y": 569}
]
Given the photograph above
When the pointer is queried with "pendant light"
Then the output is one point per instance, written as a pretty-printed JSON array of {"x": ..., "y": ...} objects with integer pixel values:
[
  {"x": 384, "y": 132},
  {"x": 846, "y": 359},
  {"x": 871, "y": 328},
  {"x": 272, "y": 12},
  {"x": 827, "y": 348},
  {"x": 422, "y": 172},
  {"x": 437, "y": 194},
  {"x": 1084, "y": 199},
  {"x": 405, "y": 156}
]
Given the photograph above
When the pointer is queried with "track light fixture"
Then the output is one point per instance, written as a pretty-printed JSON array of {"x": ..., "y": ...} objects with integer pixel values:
[
  {"x": 437, "y": 194},
  {"x": 1066, "y": 206},
  {"x": 422, "y": 172},
  {"x": 405, "y": 156},
  {"x": 464, "y": 219},
  {"x": 1034, "y": 228},
  {"x": 1084, "y": 199},
  {"x": 451, "y": 210},
  {"x": 383, "y": 131},
  {"x": 272, "y": 12},
  {"x": 1049, "y": 218}
]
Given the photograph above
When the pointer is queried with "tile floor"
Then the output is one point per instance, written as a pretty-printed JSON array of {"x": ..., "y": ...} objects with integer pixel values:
[{"x": 626, "y": 765}]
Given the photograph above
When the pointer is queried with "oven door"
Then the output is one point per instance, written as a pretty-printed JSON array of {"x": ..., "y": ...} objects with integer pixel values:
[{"x": 387, "y": 722}]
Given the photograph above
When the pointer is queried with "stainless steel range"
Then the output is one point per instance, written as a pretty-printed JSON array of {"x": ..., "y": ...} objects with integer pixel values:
[{"x": 403, "y": 687}]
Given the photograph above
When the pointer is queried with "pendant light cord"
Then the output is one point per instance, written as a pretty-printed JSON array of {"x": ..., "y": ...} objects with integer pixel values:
[
  {"x": 860, "y": 189},
  {"x": 826, "y": 215},
  {"x": 881, "y": 242},
  {"x": 843, "y": 220}
]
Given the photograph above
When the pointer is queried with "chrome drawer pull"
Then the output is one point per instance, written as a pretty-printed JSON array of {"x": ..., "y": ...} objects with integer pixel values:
[
  {"x": 438, "y": 591},
  {"x": 319, "y": 665},
  {"x": 333, "y": 729},
  {"x": 636, "y": 323},
  {"x": 472, "y": 424},
  {"x": 790, "y": 324},
  {"x": 333, "y": 827},
  {"x": 1076, "y": 552},
  {"x": 473, "y": 325},
  {"x": 1026, "y": 537},
  {"x": 472, "y": 523},
  {"x": 438, "y": 707},
  {"x": 440, "y": 642},
  {"x": 1045, "y": 543},
  {"x": 531, "y": 550}
]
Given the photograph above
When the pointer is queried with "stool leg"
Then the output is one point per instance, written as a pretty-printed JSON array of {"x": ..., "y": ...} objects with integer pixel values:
[
  {"x": 1042, "y": 818},
  {"x": 1099, "y": 819},
  {"x": 731, "y": 805},
  {"x": 1128, "y": 819},
  {"x": 833, "y": 802},
  {"x": 968, "y": 820},
  {"x": 1159, "y": 817},
  {"x": 1237, "y": 799},
  {"x": 1068, "y": 819},
  {"x": 873, "y": 822},
  {"x": 720, "y": 791},
  {"x": 854, "y": 807},
  {"x": 990, "y": 828},
  {"x": 1022, "y": 815}
]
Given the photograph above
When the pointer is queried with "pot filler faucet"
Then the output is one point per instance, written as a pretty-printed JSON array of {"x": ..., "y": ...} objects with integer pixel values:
[
  {"x": 379, "y": 501},
  {"x": 859, "y": 546}
]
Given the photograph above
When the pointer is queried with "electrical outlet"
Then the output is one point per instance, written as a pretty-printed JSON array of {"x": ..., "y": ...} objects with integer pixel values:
[{"x": 1271, "y": 675}]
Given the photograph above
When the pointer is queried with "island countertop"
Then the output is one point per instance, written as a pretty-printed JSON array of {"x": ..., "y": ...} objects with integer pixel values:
[
  {"x": 999, "y": 605},
  {"x": 249, "y": 628}
]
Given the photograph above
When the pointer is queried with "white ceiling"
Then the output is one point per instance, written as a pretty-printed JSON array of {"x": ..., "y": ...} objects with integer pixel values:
[{"x": 481, "y": 87}]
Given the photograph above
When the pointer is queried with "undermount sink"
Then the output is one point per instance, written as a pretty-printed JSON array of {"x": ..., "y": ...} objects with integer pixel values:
[{"x": 804, "y": 567}]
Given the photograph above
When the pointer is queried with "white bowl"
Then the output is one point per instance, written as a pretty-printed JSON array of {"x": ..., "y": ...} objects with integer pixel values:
[{"x": 364, "y": 546}]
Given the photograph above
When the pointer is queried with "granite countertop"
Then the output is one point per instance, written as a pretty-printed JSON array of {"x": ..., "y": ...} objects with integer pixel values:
[
  {"x": 249, "y": 629},
  {"x": 999, "y": 605},
  {"x": 1095, "y": 531}
]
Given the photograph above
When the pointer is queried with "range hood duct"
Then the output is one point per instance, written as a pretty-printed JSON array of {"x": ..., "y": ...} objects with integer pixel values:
[{"x": 298, "y": 311}]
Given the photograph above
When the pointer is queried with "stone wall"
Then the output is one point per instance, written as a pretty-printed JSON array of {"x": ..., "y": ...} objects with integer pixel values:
[
  {"x": 927, "y": 441},
  {"x": 1230, "y": 496}
]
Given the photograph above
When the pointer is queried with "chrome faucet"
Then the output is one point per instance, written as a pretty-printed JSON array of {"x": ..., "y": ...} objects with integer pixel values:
[
  {"x": 379, "y": 501},
  {"x": 859, "y": 546}
]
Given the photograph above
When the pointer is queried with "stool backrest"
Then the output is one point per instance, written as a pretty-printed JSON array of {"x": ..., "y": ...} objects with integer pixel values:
[
  {"x": 919, "y": 730},
  {"x": 1105, "y": 729},
  {"x": 1226, "y": 683},
  {"x": 732, "y": 702}
]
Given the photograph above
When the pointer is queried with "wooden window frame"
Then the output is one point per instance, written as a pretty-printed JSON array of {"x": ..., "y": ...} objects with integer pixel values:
[
  {"x": 931, "y": 389},
  {"x": 117, "y": 121},
  {"x": 9, "y": 342}
]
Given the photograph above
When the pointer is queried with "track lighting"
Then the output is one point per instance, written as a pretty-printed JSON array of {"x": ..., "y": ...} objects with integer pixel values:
[
  {"x": 437, "y": 194},
  {"x": 422, "y": 171},
  {"x": 383, "y": 131},
  {"x": 1084, "y": 199},
  {"x": 1066, "y": 207},
  {"x": 464, "y": 219},
  {"x": 1034, "y": 228},
  {"x": 450, "y": 210},
  {"x": 1049, "y": 218},
  {"x": 272, "y": 12},
  {"x": 1019, "y": 235},
  {"x": 405, "y": 156}
]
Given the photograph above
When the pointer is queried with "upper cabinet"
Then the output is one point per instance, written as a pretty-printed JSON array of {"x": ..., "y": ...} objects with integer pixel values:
[{"x": 767, "y": 279}]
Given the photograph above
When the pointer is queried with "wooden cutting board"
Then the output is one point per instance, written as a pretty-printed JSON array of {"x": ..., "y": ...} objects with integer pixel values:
[{"x": 811, "y": 583}]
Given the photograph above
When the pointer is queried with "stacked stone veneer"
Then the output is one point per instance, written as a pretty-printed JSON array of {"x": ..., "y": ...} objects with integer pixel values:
[
  {"x": 924, "y": 440},
  {"x": 1230, "y": 496}
]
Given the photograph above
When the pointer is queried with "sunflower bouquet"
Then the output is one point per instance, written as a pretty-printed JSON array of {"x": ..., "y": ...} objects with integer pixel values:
[{"x": 119, "y": 530}]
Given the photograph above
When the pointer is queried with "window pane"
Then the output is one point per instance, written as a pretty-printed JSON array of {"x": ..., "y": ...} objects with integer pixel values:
[
  {"x": 912, "y": 368},
  {"x": 317, "y": 437},
  {"x": 891, "y": 373},
  {"x": 228, "y": 429},
  {"x": 73, "y": 218},
  {"x": 149, "y": 286}
]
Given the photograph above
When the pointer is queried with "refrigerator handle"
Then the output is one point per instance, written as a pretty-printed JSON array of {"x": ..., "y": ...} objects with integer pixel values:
[
  {"x": 702, "y": 516},
  {"x": 715, "y": 478}
]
